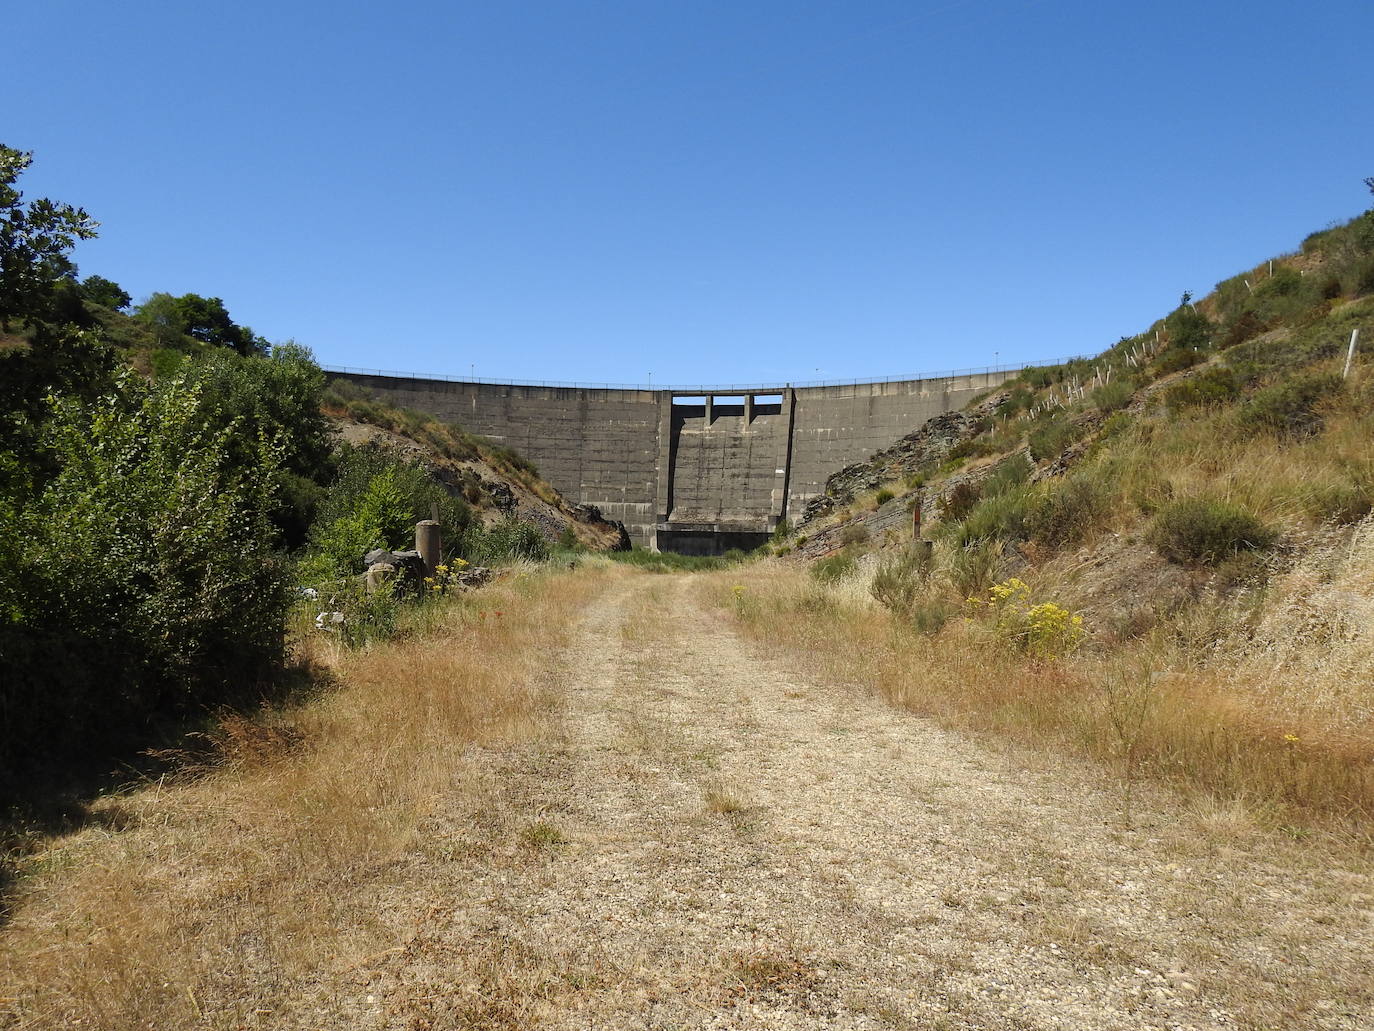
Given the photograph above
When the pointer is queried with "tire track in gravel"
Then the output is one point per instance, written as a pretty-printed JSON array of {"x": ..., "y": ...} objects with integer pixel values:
[{"x": 743, "y": 847}]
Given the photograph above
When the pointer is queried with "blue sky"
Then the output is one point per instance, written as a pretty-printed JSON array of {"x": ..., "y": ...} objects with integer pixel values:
[{"x": 704, "y": 192}]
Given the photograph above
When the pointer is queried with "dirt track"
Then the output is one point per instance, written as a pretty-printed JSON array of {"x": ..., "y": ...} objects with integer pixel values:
[{"x": 704, "y": 839}]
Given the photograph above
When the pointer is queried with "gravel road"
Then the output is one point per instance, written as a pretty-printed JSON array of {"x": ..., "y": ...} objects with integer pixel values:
[{"x": 703, "y": 839}]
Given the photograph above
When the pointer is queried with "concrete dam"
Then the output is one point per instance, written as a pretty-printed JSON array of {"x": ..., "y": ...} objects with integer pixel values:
[{"x": 692, "y": 470}]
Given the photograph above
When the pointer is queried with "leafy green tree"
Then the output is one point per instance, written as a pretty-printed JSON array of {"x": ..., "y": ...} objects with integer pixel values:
[
  {"x": 39, "y": 304},
  {"x": 163, "y": 316},
  {"x": 102, "y": 291},
  {"x": 35, "y": 241},
  {"x": 205, "y": 320},
  {"x": 1188, "y": 328}
]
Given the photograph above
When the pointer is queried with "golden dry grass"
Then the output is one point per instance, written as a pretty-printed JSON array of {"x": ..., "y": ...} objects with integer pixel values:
[
  {"x": 225, "y": 888},
  {"x": 1268, "y": 705},
  {"x": 1205, "y": 452}
]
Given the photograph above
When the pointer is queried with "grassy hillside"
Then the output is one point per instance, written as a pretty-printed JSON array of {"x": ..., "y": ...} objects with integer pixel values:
[{"x": 1163, "y": 556}]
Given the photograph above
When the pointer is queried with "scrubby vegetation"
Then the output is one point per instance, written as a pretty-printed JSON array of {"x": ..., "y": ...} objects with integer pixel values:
[
  {"x": 172, "y": 500},
  {"x": 1194, "y": 504}
]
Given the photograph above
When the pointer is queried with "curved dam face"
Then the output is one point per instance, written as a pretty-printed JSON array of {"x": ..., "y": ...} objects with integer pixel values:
[{"x": 694, "y": 472}]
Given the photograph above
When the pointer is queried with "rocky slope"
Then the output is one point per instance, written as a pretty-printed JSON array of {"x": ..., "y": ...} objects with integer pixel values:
[{"x": 493, "y": 492}]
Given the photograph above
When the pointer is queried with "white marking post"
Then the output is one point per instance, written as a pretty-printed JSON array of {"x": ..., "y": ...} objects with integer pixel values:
[{"x": 1350, "y": 354}]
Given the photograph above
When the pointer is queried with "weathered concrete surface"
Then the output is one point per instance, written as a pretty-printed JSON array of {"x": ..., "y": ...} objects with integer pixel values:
[{"x": 716, "y": 468}]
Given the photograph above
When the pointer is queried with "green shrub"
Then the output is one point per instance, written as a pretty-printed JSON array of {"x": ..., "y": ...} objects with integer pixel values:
[
  {"x": 367, "y": 617},
  {"x": 900, "y": 580},
  {"x": 1045, "y": 631},
  {"x": 411, "y": 495},
  {"x": 1357, "y": 279},
  {"x": 1005, "y": 517},
  {"x": 380, "y": 519},
  {"x": 832, "y": 568},
  {"x": 734, "y": 556},
  {"x": 782, "y": 531},
  {"x": 1114, "y": 426},
  {"x": 1188, "y": 329},
  {"x": 1019, "y": 399},
  {"x": 1113, "y": 396},
  {"x": 854, "y": 534},
  {"x": 1202, "y": 531},
  {"x": 973, "y": 447},
  {"x": 1242, "y": 328},
  {"x": 1291, "y": 407},
  {"x": 1215, "y": 386},
  {"x": 976, "y": 566},
  {"x": 508, "y": 541},
  {"x": 1175, "y": 359},
  {"x": 1070, "y": 512},
  {"x": 1051, "y": 438},
  {"x": 1012, "y": 472},
  {"x": 147, "y": 588},
  {"x": 166, "y": 362},
  {"x": 929, "y": 614},
  {"x": 883, "y": 496}
]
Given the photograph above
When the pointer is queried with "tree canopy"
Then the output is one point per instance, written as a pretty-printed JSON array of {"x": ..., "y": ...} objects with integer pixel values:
[
  {"x": 105, "y": 292},
  {"x": 35, "y": 241},
  {"x": 204, "y": 319}
]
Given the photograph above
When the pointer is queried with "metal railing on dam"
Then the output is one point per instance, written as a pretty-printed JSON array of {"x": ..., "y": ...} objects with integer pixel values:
[{"x": 709, "y": 388}]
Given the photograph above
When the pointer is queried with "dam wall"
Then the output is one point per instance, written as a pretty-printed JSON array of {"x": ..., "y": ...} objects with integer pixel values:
[{"x": 696, "y": 470}]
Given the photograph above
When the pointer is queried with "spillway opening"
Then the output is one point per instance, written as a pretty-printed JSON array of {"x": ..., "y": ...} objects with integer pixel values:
[{"x": 767, "y": 404}]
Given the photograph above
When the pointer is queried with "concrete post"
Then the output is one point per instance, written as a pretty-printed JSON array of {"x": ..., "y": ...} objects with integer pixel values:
[
  {"x": 748, "y": 409},
  {"x": 709, "y": 399},
  {"x": 427, "y": 543}
]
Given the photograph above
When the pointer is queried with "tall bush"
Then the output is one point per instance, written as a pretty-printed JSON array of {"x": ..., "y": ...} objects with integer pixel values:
[{"x": 145, "y": 584}]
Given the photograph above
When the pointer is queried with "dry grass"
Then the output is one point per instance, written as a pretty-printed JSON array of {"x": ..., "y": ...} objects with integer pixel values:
[
  {"x": 1269, "y": 705},
  {"x": 1206, "y": 453},
  {"x": 724, "y": 800},
  {"x": 265, "y": 873}
]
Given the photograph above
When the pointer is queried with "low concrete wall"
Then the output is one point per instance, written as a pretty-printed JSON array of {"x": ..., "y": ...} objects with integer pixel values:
[{"x": 693, "y": 469}]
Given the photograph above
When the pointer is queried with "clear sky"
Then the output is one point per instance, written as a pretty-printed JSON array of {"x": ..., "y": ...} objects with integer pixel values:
[{"x": 699, "y": 191}]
